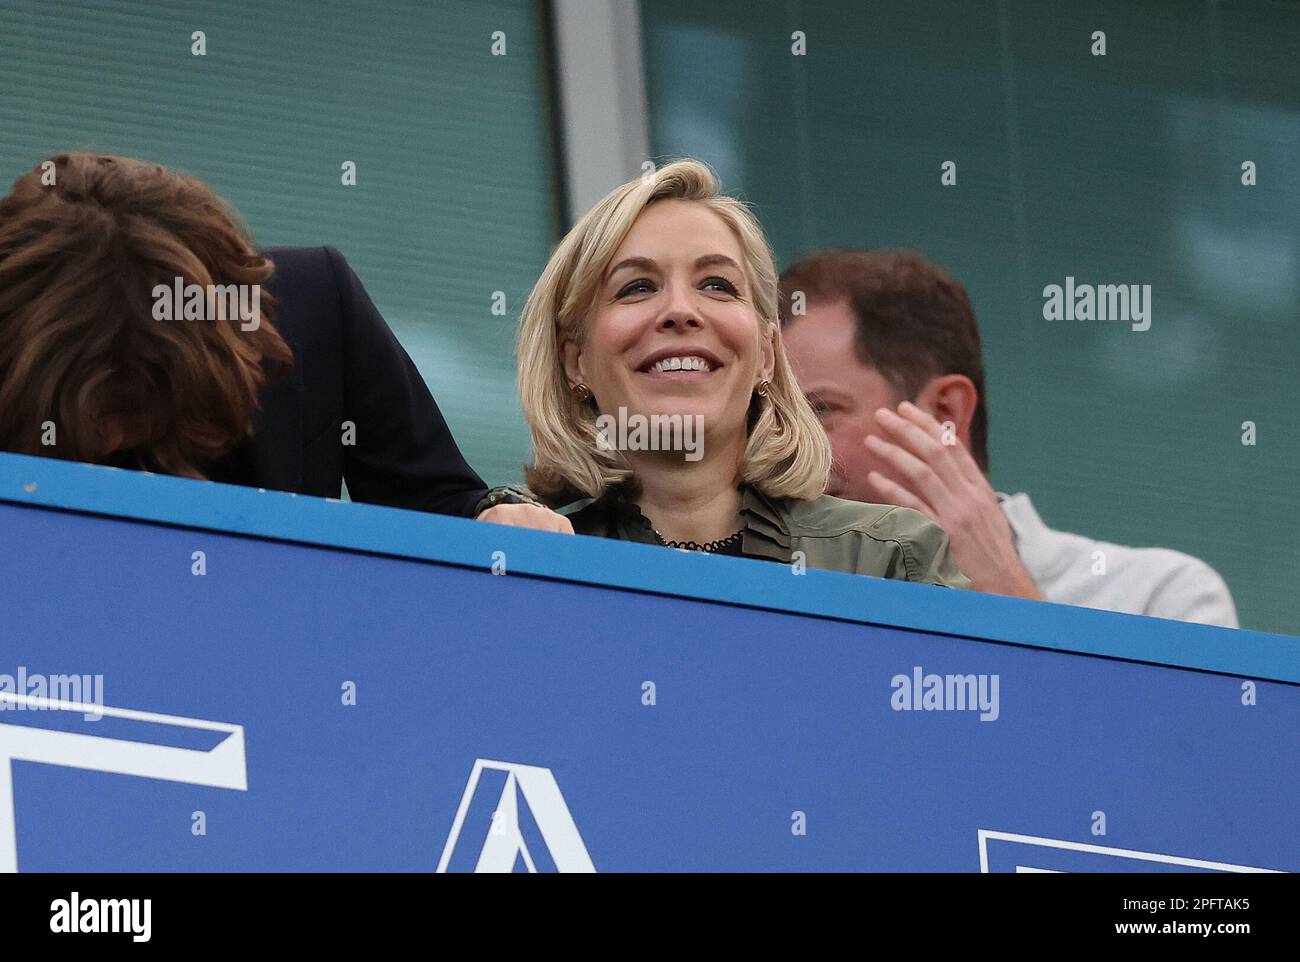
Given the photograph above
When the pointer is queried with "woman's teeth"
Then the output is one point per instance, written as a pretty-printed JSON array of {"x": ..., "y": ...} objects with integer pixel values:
[{"x": 681, "y": 364}]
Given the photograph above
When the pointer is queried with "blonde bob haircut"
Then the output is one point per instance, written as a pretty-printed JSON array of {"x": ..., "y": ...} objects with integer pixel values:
[{"x": 787, "y": 455}]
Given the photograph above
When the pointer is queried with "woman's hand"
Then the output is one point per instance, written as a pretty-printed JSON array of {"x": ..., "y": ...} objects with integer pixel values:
[{"x": 527, "y": 516}]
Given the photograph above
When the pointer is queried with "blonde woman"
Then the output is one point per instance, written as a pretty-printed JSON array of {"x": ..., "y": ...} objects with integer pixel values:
[{"x": 656, "y": 388}]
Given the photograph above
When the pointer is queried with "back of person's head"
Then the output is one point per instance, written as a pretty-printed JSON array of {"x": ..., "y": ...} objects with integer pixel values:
[
  {"x": 914, "y": 321},
  {"x": 86, "y": 372}
]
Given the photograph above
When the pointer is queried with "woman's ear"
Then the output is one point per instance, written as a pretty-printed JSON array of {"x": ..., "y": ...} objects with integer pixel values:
[
  {"x": 769, "y": 346},
  {"x": 571, "y": 355}
]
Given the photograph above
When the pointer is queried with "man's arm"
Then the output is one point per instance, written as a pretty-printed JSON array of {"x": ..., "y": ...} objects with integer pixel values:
[
  {"x": 1193, "y": 591},
  {"x": 404, "y": 454}
]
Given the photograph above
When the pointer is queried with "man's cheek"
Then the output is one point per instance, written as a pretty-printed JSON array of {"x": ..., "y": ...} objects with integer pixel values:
[
  {"x": 864, "y": 462},
  {"x": 839, "y": 449},
  {"x": 851, "y": 455}
]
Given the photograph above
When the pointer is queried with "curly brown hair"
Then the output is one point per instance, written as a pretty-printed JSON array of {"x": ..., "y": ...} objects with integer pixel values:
[{"x": 84, "y": 240}]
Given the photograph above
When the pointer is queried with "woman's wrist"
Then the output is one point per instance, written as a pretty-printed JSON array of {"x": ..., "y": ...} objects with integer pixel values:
[{"x": 506, "y": 494}]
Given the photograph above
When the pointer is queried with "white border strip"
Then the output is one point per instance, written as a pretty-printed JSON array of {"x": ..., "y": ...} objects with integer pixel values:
[
  {"x": 225, "y": 765},
  {"x": 985, "y": 834}
]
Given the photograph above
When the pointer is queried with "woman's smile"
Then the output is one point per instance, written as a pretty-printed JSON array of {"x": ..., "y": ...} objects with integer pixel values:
[{"x": 680, "y": 364}]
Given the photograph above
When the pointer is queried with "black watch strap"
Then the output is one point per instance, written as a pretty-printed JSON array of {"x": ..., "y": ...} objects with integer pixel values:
[{"x": 506, "y": 494}]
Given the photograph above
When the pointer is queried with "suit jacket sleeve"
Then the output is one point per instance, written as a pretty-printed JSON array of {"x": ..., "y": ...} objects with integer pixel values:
[{"x": 404, "y": 453}]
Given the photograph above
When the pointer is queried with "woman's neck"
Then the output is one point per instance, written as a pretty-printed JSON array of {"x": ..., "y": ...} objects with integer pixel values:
[{"x": 689, "y": 501}]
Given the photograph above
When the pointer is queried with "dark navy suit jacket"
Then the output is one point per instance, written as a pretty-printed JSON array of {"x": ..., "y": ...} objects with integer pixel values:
[{"x": 347, "y": 366}]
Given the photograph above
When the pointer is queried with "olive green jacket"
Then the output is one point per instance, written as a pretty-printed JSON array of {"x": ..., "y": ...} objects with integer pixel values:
[{"x": 867, "y": 539}]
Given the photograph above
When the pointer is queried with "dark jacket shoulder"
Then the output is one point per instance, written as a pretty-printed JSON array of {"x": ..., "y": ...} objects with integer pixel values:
[{"x": 353, "y": 408}]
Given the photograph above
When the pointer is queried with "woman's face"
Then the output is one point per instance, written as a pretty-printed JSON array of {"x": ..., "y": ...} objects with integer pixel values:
[{"x": 674, "y": 329}]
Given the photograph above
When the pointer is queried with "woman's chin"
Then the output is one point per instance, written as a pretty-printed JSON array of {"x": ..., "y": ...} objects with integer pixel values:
[
  {"x": 681, "y": 408},
  {"x": 686, "y": 400},
  {"x": 686, "y": 419}
]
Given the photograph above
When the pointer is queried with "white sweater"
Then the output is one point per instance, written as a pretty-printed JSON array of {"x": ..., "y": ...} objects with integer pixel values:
[{"x": 1073, "y": 570}]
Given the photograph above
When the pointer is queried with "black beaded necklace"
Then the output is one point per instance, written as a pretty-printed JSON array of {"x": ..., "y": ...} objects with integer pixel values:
[{"x": 721, "y": 544}]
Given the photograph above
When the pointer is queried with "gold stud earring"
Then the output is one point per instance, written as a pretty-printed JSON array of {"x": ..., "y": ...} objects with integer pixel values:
[
  {"x": 763, "y": 385},
  {"x": 581, "y": 393}
]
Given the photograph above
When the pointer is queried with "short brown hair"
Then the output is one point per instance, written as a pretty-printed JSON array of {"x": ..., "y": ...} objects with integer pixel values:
[
  {"x": 915, "y": 322},
  {"x": 84, "y": 240}
]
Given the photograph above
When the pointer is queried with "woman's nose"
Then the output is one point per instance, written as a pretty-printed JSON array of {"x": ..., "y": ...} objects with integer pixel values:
[{"x": 680, "y": 313}]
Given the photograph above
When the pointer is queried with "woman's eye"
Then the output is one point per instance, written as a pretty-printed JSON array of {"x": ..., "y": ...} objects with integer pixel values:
[
  {"x": 636, "y": 287},
  {"x": 722, "y": 284}
]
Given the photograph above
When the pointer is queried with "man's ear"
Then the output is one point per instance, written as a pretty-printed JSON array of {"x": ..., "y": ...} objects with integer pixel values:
[
  {"x": 950, "y": 397},
  {"x": 572, "y": 356}
]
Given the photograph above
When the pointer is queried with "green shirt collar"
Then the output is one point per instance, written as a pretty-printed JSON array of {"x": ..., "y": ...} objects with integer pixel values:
[{"x": 766, "y": 527}]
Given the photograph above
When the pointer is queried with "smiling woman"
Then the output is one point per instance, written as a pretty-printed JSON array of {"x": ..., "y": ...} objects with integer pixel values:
[{"x": 660, "y": 306}]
